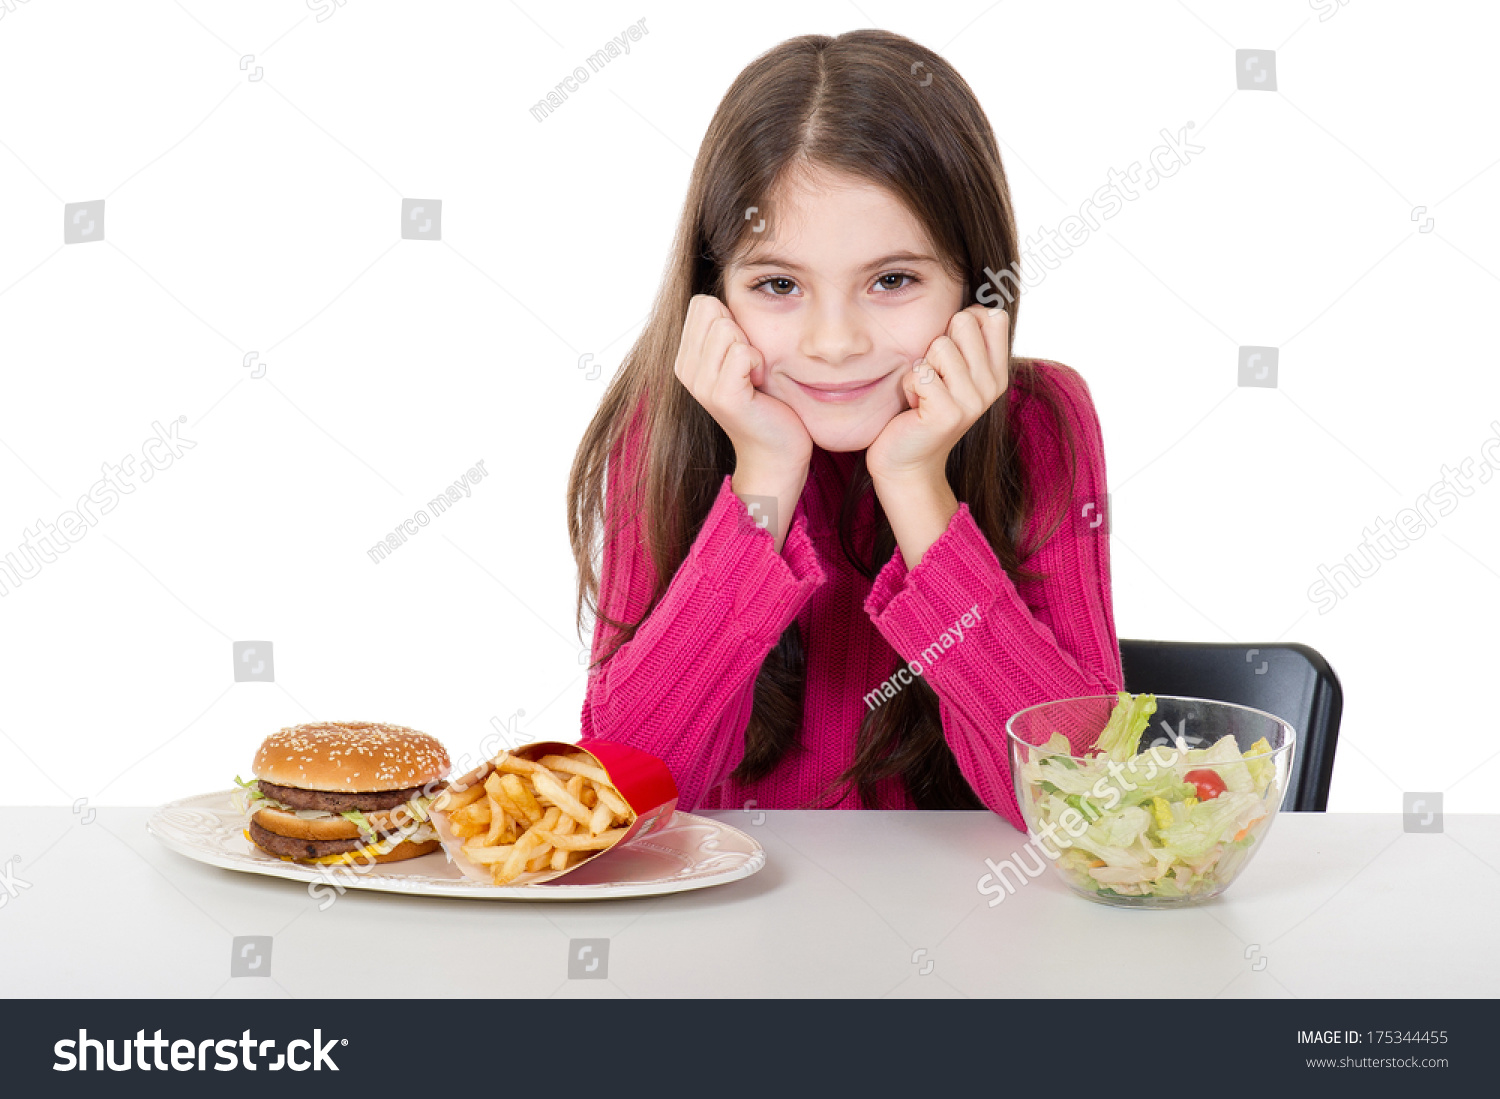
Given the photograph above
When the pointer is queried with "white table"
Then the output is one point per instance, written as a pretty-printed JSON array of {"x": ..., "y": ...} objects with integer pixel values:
[{"x": 861, "y": 904}]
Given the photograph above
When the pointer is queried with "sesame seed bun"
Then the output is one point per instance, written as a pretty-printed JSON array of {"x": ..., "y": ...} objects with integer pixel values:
[{"x": 350, "y": 757}]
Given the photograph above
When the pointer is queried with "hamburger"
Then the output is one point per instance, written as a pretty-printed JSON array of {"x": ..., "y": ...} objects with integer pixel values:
[{"x": 350, "y": 792}]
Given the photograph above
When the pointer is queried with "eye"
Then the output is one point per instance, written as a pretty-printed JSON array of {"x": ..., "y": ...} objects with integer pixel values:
[
  {"x": 881, "y": 281},
  {"x": 778, "y": 279}
]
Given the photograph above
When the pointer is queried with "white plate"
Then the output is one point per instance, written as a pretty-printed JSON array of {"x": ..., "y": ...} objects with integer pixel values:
[{"x": 688, "y": 853}]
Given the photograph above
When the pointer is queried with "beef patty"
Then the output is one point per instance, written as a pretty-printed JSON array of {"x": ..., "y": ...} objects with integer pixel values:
[
  {"x": 299, "y": 798},
  {"x": 278, "y": 844}
]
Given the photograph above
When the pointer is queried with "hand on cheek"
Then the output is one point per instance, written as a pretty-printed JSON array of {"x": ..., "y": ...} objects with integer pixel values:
[
  {"x": 724, "y": 372},
  {"x": 963, "y": 373}
]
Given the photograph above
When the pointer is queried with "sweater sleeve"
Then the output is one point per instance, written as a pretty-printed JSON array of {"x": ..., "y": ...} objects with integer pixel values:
[
  {"x": 682, "y": 688},
  {"x": 988, "y": 654}
]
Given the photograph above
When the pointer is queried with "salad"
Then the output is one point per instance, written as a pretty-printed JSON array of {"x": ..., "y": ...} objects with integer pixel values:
[{"x": 1172, "y": 821}]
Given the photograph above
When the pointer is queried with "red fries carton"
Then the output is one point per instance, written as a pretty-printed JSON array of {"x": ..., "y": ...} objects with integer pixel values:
[{"x": 492, "y": 835}]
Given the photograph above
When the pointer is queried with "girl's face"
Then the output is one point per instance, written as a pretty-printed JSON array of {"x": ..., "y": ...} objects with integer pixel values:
[{"x": 846, "y": 297}]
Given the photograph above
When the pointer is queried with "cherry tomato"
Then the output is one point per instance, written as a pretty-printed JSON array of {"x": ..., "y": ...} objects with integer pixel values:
[{"x": 1209, "y": 784}]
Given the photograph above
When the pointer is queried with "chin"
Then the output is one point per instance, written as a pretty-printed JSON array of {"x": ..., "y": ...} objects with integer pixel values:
[
  {"x": 837, "y": 442},
  {"x": 855, "y": 429},
  {"x": 839, "y": 427}
]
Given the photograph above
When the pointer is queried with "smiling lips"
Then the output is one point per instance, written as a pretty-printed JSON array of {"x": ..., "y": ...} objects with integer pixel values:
[{"x": 846, "y": 392}]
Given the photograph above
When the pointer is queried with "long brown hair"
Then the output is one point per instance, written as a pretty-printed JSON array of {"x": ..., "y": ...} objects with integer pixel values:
[{"x": 880, "y": 107}]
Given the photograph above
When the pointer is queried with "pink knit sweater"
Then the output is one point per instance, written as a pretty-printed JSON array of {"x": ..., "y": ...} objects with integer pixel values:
[{"x": 682, "y": 688}]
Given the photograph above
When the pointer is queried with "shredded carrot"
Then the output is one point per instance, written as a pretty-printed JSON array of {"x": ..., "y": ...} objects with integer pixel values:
[
  {"x": 1245, "y": 831},
  {"x": 1096, "y": 862}
]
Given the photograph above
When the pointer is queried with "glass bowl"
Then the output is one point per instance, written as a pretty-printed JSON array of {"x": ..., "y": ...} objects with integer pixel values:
[{"x": 1174, "y": 823}]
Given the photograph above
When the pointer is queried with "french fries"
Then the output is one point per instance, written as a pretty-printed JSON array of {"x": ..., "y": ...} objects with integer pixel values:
[
  {"x": 536, "y": 815},
  {"x": 575, "y": 767},
  {"x": 583, "y": 842}
]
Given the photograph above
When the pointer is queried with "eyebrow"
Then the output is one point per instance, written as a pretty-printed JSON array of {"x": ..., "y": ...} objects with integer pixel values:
[{"x": 883, "y": 261}]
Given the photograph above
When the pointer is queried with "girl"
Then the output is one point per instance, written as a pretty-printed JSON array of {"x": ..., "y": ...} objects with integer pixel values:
[{"x": 820, "y": 472}]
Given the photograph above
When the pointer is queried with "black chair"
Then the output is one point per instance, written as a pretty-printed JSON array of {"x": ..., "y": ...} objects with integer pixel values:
[{"x": 1293, "y": 682}]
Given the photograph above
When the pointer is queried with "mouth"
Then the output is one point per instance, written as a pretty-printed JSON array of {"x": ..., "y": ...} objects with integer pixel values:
[{"x": 847, "y": 391}]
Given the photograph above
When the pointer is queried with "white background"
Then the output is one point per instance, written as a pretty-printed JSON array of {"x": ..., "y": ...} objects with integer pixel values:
[{"x": 263, "y": 216}]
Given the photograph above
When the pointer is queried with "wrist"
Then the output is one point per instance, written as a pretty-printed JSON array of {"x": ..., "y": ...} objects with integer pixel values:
[
  {"x": 781, "y": 464},
  {"x": 774, "y": 471},
  {"x": 919, "y": 483},
  {"x": 771, "y": 496}
]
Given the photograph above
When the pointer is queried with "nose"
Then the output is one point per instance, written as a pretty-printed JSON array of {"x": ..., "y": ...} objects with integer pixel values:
[{"x": 834, "y": 331}]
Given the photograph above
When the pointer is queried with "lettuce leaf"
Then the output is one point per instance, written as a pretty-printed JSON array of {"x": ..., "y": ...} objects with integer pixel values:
[
  {"x": 1224, "y": 755},
  {"x": 1208, "y": 823},
  {"x": 1120, "y": 829},
  {"x": 1122, "y": 734},
  {"x": 356, "y": 818},
  {"x": 1262, "y": 766}
]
